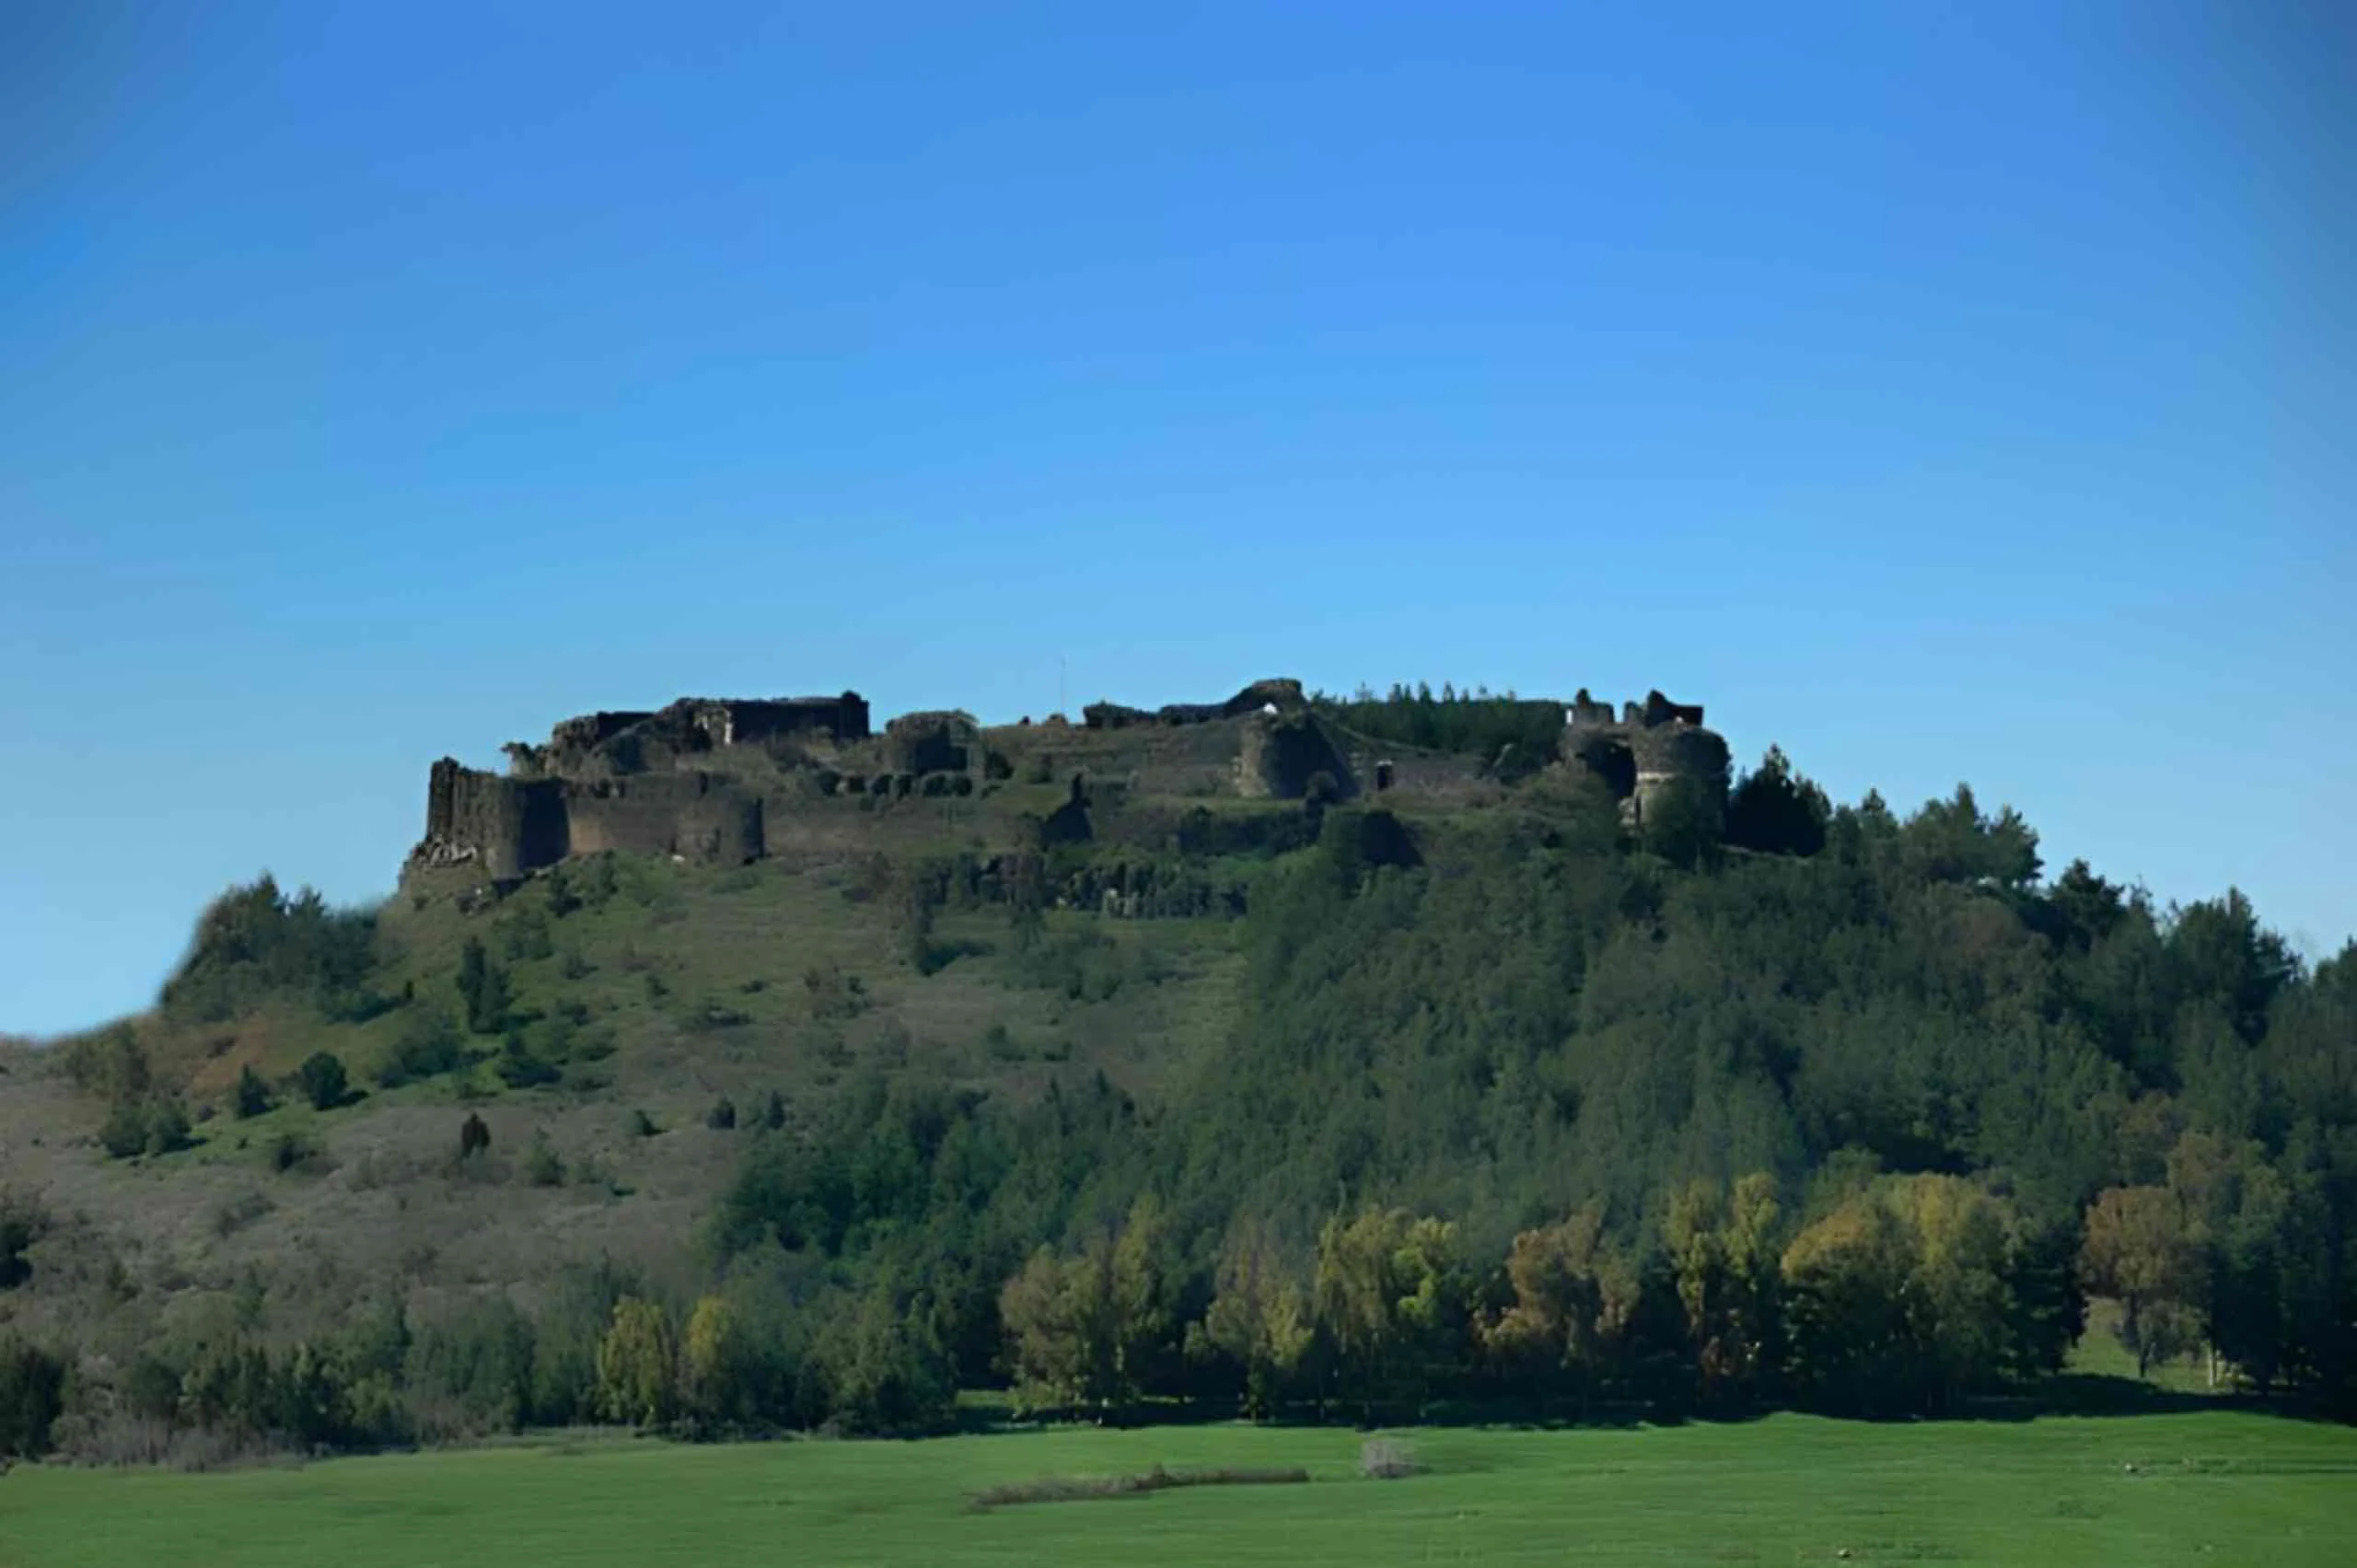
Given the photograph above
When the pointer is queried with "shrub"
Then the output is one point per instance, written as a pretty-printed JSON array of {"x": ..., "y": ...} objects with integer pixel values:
[
  {"x": 642, "y": 1125},
  {"x": 519, "y": 1069},
  {"x": 124, "y": 1131},
  {"x": 429, "y": 1045},
  {"x": 323, "y": 1081},
  {"x": 113, "y": 1064},
  {"x": 721, "y": 1116},
  {"x": 541, "y": 1166},
  {"x": 289, "y": 1150},
  {"x": 168, "y": 1124},
  {"x": 1387, "y": 1458},
  {"x": 254, "y": 1096},
  {"x": 474, "y": 1136},
  {"x": 153, "y": 1125}
]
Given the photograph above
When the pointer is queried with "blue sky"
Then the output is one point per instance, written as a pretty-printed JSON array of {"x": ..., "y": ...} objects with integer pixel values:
[{"x": 1941, "y": 393}]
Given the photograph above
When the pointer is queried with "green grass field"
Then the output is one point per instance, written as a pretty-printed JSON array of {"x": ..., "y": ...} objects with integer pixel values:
[{"x": 2206, "y": 1488}]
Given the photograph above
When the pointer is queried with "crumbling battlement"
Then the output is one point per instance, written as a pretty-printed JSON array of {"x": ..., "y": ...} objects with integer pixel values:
[
  {"x": 1652, "y": 749},
  {"x": 730, "y": 781},
  {"x": 1279, "y": 696},
  {"x": 505, "y": 828},
  {"x": 612, "y": 745}
]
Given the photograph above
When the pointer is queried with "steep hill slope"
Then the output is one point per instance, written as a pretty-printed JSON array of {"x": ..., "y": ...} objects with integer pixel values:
[{"x": 1730, "y": 1061}]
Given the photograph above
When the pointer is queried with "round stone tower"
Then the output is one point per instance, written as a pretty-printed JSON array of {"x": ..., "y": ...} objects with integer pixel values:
[{"x": 1670, "y": 752}]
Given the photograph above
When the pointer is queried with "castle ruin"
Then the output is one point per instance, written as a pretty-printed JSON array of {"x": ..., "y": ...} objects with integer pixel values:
[
  {"x": 724, "y": 782},
  {"x": 1652, "y": 748}
]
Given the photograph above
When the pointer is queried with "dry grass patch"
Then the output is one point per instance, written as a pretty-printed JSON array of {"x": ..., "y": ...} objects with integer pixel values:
[{"x": 1080, "y": 1489}]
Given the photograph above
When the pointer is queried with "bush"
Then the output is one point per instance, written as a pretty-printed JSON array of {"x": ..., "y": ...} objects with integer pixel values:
[
  {"x": 430, "y": 1046},
  {"x": 519, "y": 1069},
  {"x": 168, "y": 1124},
  {"x": 642, "y": 1125},
  {"x": 124, "y": 1131},
  {"x": 721, "y": 1116},
  {"x": 290, "y": 1150},
  {"x": 474, "y": 1136},
  {"x": 142, "y": 1116},
  {"x": 323, "y": 1081},
  {"x": 253, "y": 1096},
  {"x": 541, "y": 1166},
  {"x": 153, "y": 1125},
  {"x": 1387, "y": 1458}
]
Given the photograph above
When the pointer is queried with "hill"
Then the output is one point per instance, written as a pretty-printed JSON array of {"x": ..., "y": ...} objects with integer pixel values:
[{"x": 729, "y": 1065}]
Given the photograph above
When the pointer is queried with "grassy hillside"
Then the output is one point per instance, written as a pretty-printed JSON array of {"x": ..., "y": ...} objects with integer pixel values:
[
  {"x": 2204, "y": 1489},
  {"x": 665, "y": 991}
]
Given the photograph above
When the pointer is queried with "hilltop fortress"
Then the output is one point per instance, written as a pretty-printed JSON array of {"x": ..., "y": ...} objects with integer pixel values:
[{"x": 730, "y": 781}]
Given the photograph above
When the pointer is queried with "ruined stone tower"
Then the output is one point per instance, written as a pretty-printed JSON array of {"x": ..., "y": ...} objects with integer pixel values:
[{"x": 1648, "y": 751}]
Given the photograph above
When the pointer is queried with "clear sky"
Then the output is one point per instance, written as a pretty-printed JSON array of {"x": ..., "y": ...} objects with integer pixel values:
[{"x": 1942, "y": 391}]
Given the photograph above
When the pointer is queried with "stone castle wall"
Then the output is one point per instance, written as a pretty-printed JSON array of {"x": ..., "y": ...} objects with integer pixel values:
[
  {"x": 505, "y": 825},
  {"x": 506, "y": 828},
  {"x": 695, "y": 816},
  {"x": 730, "y": 782}
]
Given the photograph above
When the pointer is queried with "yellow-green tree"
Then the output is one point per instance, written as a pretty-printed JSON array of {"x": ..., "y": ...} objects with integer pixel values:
[
  {"x": 1140, "y": 1310},
  {"x": 712, "y": 1361},
  {"x": 635, "y": 1364},
  {"x": 1085, "y": 1330},
  {"x": 1845, "y": 1282},
  {"x": 1722, "y": 1252},
  {"x": 1903, "y": 1297},
  {"x": 1059, "y": 1343},
  {"x": 1391, "y": 1298},
  {"x": 1572, "y": 1299},
  {"x": 1959, "y": 1298},
  {"x": 1260, "y": 1317}
]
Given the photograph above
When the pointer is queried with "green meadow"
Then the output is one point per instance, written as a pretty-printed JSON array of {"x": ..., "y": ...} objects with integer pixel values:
[{"x": 2207, "y": 1488}]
